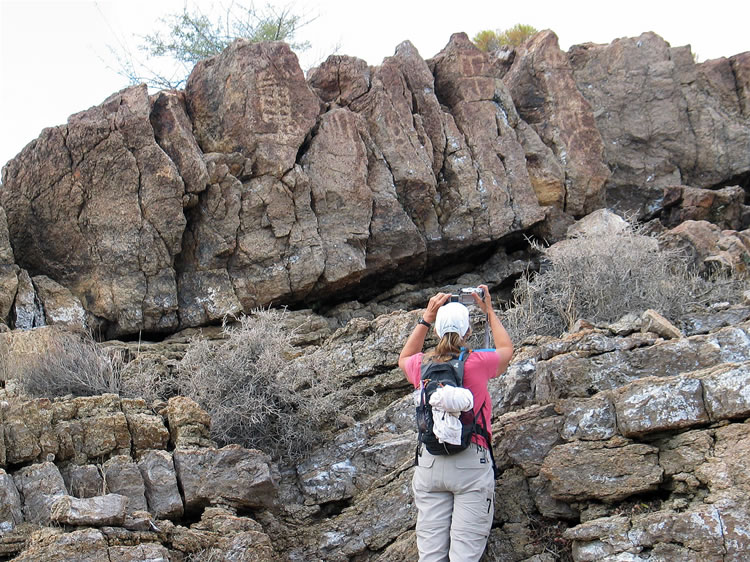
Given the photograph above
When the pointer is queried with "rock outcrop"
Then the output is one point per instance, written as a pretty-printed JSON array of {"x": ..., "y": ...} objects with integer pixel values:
[
  {"x": 257, "y": 186},
  {"x": 125, "y": 500},
  {"x": 545, "y": 92},
  {"x": 664, "y": 119}
]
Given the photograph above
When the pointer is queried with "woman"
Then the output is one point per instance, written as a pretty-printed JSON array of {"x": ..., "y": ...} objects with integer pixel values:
[{"x": 454, "y": 494}]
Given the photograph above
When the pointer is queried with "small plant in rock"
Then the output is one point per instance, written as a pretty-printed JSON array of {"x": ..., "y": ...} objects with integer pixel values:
[
  {"x": 64, "y": 363},
  {"x": 547, "y": 534},
  {"x": 257, "y": 393},
  {"x": 602, "y": 277}
]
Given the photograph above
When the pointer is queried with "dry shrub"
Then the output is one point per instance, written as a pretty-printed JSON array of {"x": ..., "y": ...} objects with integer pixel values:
[
  {"x": 54, "y": 362},
  {"x": 602, "y": 277},
  {"x": 257, "y": 394}
]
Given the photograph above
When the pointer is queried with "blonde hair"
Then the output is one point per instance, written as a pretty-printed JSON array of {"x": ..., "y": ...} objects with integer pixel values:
[{"x": 447, "y": 348}]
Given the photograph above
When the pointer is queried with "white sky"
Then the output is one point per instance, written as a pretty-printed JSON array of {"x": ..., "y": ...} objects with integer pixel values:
[{"x": 55, "y": 61}]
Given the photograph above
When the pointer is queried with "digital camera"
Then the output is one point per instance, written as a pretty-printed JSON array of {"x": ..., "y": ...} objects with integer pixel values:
[{"x": 465, "y": 295}]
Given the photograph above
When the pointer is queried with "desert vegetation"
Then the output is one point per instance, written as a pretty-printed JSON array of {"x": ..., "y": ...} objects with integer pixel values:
[
  {"x": 489, "y": 40},
  {"x": 601, "y": 278},
  {"x": 257, "y": 393}
]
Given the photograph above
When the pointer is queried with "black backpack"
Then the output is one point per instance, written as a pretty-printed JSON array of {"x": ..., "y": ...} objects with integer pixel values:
[{"x": 433, "y": 376}]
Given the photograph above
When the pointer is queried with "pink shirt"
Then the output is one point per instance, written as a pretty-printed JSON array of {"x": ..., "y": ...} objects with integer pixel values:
[{"x": 480, "y": 367}]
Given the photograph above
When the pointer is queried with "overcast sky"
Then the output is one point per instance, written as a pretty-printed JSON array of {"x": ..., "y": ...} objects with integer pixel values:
[{"x": 55, "y": 55}]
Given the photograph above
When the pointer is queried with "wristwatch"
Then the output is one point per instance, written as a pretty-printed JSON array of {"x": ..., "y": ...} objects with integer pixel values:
[{"x": 424, "y": 323}]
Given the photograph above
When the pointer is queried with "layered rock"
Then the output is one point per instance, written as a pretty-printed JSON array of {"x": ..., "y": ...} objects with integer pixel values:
[{"x": 129, "y": 499}]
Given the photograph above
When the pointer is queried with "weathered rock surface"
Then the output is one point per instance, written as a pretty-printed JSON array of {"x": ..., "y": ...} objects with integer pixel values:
[
  {"x": 97, "y": 511},
  {"x": 255, "y": 186},
  {"x": 11, "y": 514},
  {"x": 231, "y": 476},
  {"x": 172, "y": 211},
  {"x": 664, "y": 119},
  {"x": 27, "y": 310},
  {"x": 161, "y": 489},
  {"x": 546, "y": 95},
  {"x": 59, "y": 305},
  {"x": 124, "y": 478},
  {"x": 40, "y": 485},
  {"x": 614, "y": 470},
  {"x": 59, "y": 194}
]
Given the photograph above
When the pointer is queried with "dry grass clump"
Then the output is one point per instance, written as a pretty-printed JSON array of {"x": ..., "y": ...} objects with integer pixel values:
[
  {"x": 602, "y": 277},
  {"x": 55, "y": 362},
  {"x": 257, "y": 394}
]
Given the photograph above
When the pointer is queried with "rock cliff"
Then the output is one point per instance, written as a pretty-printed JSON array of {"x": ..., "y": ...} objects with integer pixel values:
[
  {"x": 356, "y": 191},
  {"x": 257, "y": 186}
]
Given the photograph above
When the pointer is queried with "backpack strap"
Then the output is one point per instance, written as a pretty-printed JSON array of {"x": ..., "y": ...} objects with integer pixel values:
[{"x": 481, "y": 429}]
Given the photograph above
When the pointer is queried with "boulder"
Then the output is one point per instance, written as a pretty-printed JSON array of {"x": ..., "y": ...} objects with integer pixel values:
[
  {"x": 252, "y": 99},
  {"x": 589, "y": 420},
  {"x": 574, "y": 374},
  {"x": 726, "y": 391},
  {"x": 607, "y": 471},
  {"x": 96, "y": 206},
  {"x": 27, "y": 310},
  {"x": 60, "y": 306},
  {"x": 340, "y": 79},
  {"x": 544, "y": 91},
  {"x": 723, "y": 207},
  {"x": 189, "y": 424},
  {"x": 11, "y": 513},
  {"x": 469, "y": 84},
  {"x": 709, "y": 248},
  {"x": 526, "y": 437},
  {"x": 660, "y": 404},
  {"x": 147, "y": 430},
  {"x": 123, "y": 478},
  {"x": 97, "y": 511},
  {"x": 56, "y": 545},
  {"x": 150, "y": 552},
  {"x": 233, "y": 476},
  {"x": 602, "y": 222},
  {"x": 92, "y": 427},
  {"x": 40, "y": 485},
  {"x": 652, "y": 321},
  {"x": 29, "y": 434},
  {"x": 83, "y": 481},
  {"x": 173, "y": 131},
  {"x": 160, "y": 481},
  {"x": 686, "y": 451}
]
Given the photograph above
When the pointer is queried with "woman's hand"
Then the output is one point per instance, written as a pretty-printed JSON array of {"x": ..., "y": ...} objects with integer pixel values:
[
  {"x": 484, "y": 304},
  {"x": 432, "y": 307}
]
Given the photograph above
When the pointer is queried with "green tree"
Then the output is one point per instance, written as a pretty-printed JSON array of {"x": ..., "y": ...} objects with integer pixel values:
[
  {"x": 488, "y": 40},
  {"x": 169, "y": 54}
]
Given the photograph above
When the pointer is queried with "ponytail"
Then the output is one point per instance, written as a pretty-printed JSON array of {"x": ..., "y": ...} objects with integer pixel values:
[{"x": 449, "y": 346}]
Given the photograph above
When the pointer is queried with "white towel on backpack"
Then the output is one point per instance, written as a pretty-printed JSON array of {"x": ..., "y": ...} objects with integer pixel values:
[{"x": 447, "y": 404}]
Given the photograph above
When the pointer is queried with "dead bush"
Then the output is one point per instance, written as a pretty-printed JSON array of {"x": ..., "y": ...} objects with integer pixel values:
[
  {"x": 600, "y": 278},
  {"x": 257, "y": 394},
  {"x": 54, "y": 362}
]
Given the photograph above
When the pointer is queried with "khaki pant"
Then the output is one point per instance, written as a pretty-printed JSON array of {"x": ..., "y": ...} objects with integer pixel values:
[{"x": 454, "y": 495}]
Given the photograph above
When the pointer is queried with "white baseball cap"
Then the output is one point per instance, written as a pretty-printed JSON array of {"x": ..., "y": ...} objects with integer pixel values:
[{"x": 452, "y": 317}]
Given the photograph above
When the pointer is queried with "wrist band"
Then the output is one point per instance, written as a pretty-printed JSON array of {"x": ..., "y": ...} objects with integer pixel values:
[{"x": 424, "y": 323}]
